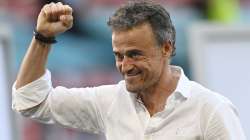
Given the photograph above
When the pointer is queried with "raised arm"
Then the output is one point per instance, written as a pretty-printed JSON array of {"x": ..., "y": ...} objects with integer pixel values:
[
  {"x": 53, "y": 19},
  {"x": 33, "y": 95}
]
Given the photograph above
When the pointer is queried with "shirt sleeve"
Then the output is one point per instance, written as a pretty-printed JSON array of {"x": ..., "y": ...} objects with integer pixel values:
[
  {"x": 75, "y": 108},
  {"x": 31, "y": 94},
  {"x": 224, "y": 124}
]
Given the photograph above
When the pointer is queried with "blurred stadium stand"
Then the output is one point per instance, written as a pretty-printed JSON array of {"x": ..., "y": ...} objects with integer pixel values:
[{"x": 83, "y": 56}]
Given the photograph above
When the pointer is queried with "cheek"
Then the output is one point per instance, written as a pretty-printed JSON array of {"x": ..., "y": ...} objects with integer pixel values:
[
  {"x": 153, "y": 68},
  {"x": 118, "y": 66},
  {"x": 145, "y": 68}
]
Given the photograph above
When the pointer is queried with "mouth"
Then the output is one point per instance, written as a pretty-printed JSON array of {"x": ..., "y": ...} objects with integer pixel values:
[{"x": 132, "y": 74}]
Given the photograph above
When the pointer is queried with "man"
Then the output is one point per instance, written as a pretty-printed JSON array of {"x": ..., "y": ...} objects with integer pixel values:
[{"x": 154, "y": 101}]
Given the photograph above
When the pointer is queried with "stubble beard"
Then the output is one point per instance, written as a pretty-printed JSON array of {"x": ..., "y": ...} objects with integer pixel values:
[
  {"x": 143, "y": 87},
  {"x": 133, "y": 88}
]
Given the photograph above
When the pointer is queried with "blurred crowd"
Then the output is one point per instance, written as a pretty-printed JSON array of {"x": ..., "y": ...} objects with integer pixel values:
[{"x": 83, "y": 56}]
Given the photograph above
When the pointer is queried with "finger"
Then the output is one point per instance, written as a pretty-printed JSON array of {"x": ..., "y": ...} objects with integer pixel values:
[
  {"x": 60, "y": 8},
  {"x": 59, "y": 3},
  {"x": 68, "y": 10},
  {"x": 67, "y": 20},
  {"x": 54, "y": 15},
  {"x": 46, "y": 10}
]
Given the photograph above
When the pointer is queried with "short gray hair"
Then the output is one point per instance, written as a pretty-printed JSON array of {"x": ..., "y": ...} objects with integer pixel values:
[{"x": 137, "y": 12}]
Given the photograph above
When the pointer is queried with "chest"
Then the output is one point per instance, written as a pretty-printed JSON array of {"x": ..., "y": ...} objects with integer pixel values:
[{"x": 128, "y": 121}]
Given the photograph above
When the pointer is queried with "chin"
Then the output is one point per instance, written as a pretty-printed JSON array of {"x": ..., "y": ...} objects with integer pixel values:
[{"x": 133, "y": 88}]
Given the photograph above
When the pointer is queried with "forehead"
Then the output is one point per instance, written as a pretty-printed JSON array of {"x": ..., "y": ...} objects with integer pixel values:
[{"x": 138, "y": 37}]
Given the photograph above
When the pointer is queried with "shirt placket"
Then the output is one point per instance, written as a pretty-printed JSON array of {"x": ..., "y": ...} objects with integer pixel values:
[{"x": 152, "y": 123}]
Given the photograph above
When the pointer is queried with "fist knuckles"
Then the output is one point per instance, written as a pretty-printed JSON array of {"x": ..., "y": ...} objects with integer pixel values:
[
  {"x": 53, "y": 11},
  {"x": 54, "y": 18}
]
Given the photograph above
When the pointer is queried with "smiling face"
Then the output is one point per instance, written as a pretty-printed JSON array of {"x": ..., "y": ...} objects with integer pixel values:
[{"x": 138, "y": 58}]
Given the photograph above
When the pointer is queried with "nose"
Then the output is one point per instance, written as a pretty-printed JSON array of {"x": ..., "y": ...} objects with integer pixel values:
[{"x": 126, "y": 65}]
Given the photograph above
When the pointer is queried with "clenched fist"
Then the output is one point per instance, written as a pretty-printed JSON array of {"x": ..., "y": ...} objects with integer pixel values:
[{"x": 54, "y": 18}]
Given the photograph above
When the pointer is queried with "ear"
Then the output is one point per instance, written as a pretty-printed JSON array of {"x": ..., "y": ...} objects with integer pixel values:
[{"x": 167, "y": 49}]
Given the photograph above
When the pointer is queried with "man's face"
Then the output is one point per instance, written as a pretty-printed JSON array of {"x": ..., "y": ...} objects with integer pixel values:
[{"x": 138, "y": 58}]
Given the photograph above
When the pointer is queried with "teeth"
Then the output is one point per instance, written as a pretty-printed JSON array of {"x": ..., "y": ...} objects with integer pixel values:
[{"x": 133, "y": 74}]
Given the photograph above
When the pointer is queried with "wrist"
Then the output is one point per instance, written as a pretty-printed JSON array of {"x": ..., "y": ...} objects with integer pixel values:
[
  {"x": 44, "y": 32},
  {"x": 44, "y": 38}
]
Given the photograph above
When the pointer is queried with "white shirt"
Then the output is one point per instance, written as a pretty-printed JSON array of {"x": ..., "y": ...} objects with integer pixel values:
[{"x": 192, "y": 112}]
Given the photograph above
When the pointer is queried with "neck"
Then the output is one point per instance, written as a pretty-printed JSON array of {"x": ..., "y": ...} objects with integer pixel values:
[{"x": 154, "y": 98}]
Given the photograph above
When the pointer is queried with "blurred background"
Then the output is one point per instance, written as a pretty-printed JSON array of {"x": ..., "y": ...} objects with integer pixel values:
[{"x": 83, "y": 56}]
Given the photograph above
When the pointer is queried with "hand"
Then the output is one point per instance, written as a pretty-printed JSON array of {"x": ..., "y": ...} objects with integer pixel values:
[{"x": 54, "y": 18}]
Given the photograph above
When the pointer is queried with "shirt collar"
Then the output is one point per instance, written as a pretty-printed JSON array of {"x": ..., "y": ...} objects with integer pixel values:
[{"x": 183, "y": 86}]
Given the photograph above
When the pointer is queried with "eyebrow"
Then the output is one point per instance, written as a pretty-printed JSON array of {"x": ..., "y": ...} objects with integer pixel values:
[
  {"x": 133, "y": 51},
  {"x": 130, "y": 51}
]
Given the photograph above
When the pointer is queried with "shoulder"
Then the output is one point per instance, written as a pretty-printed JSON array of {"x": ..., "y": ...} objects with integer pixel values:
[
  {"x": 212, "y": 105},
  {"x": 210, "y": 102},
  {"x": 103, "y": 90},
  {"x": 214, "y": 108},
  {"x": 205, "y": 96},
  {"x": 110, "y": 90},
  {"x": 107, "y": 94},
  {"x": 100, "y": 95}
]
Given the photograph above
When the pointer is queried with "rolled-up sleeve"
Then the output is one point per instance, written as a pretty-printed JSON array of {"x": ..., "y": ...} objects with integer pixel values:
[
  {"x": 31, "y": 94},
  {"x": 75, "y": 107}
]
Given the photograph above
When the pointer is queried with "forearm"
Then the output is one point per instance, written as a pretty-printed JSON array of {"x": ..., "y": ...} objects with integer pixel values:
[{"x": 34, "y": 63}]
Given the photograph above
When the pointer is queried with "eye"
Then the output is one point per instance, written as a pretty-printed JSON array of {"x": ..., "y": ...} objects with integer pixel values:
[
  {"x": 134, "y": 54},
  {"x": 118, "y": 56}
]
